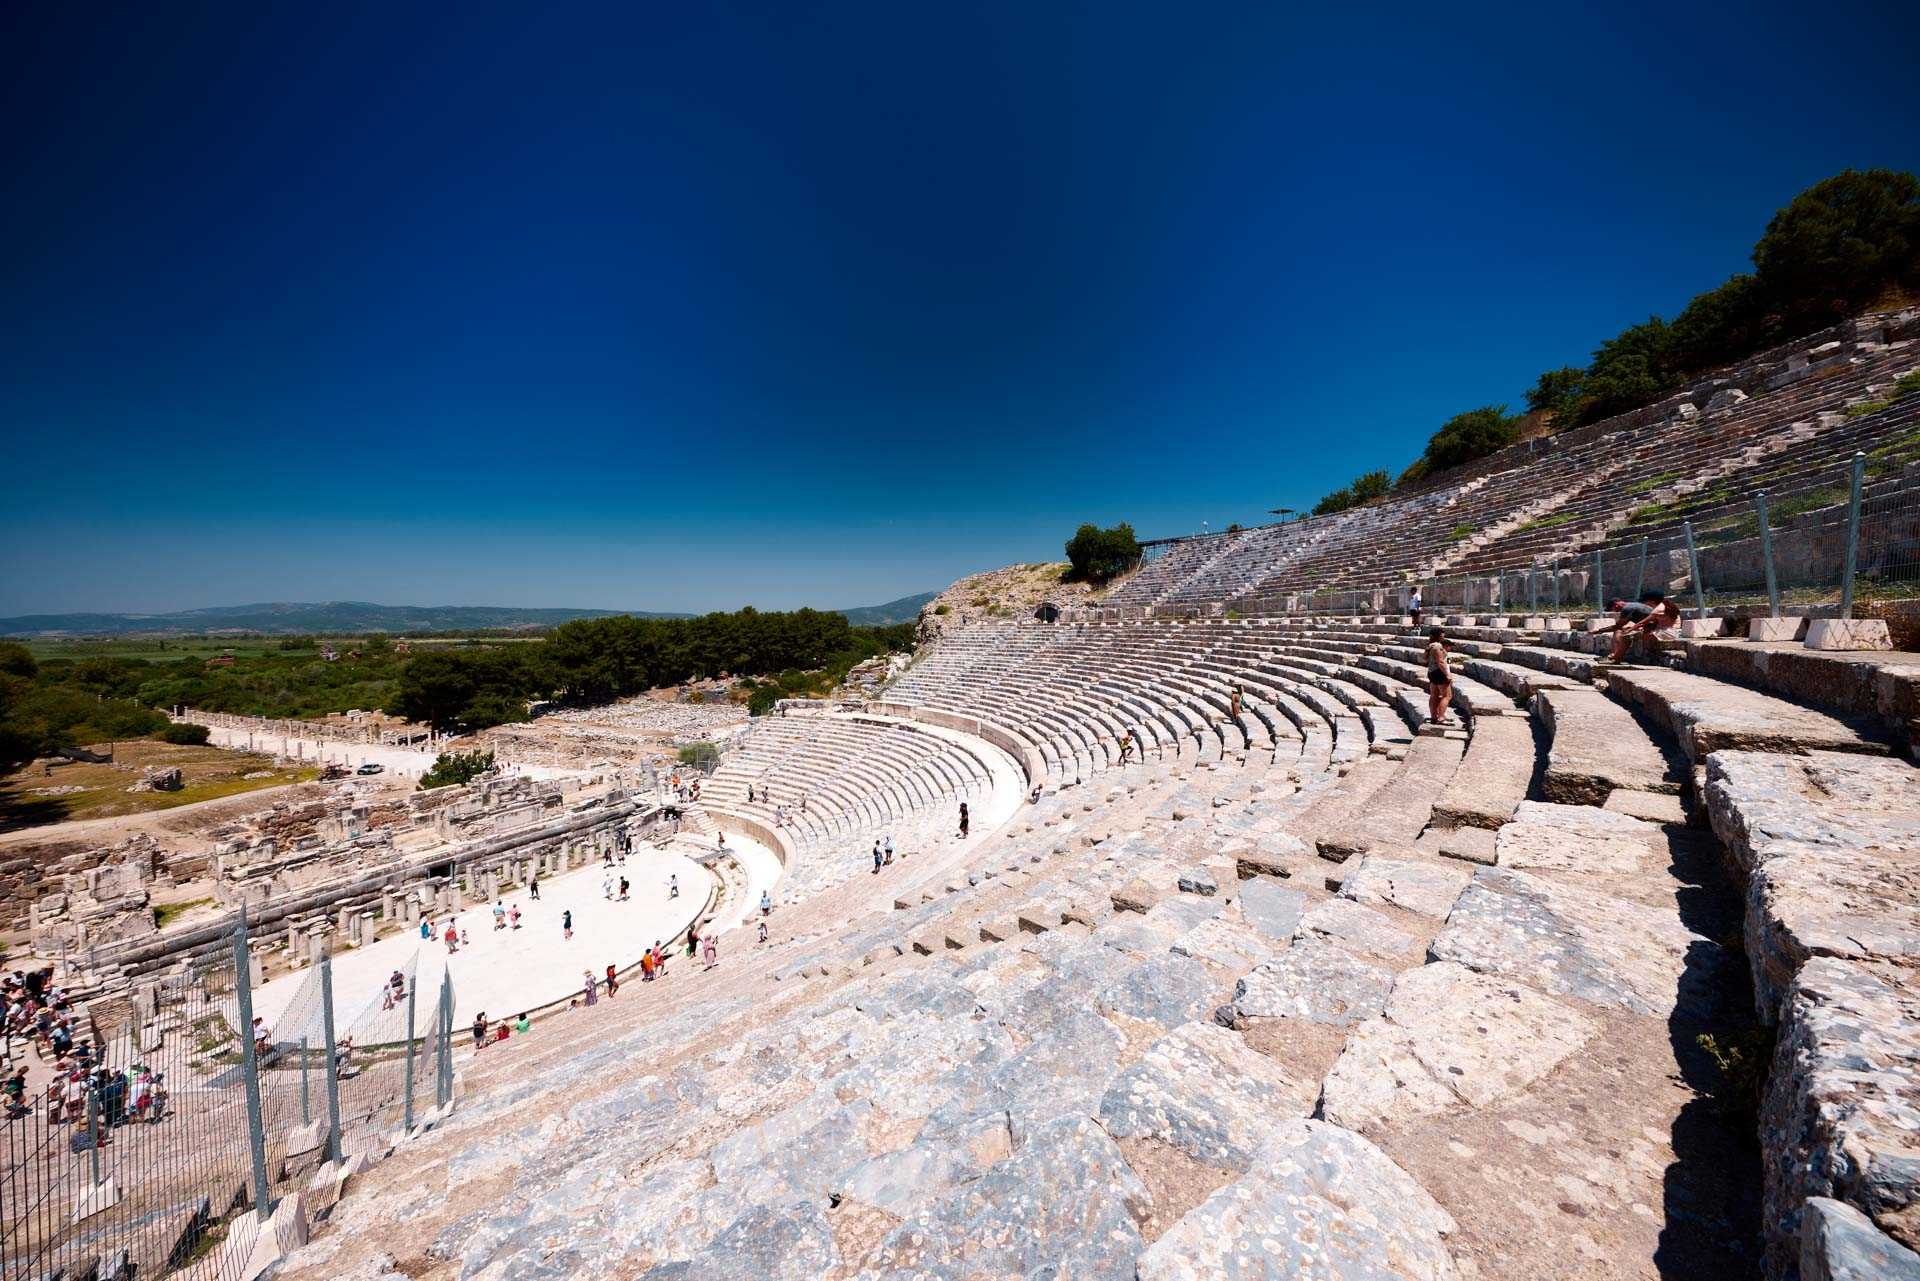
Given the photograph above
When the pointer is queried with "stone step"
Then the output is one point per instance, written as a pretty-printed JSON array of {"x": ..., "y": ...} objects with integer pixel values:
[
  {"x": 1396, "y": 814},
  {"x": 1493, "y": 776},
  {"x": 1594, "y": 746},
  {"x": 1706, "y": 715}
]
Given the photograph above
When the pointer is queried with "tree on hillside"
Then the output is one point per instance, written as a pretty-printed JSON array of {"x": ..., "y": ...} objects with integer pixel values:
[
  {"x": 1096, "y": 555},
  {"x": 1465, "y": 437},
  {"x": 1720, "y": 326},
  {"x": 1840, "y": 244},
  {"x": 1630, "y": 369},
  {"x": 1365, "y": 488},
  {"x": 1557, "y": 392}
]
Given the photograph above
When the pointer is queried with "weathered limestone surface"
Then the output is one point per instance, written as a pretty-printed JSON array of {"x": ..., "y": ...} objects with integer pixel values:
[
  {"x": 1320, "y": 1201},
  {"x": 1838, "y": 1243},
  {"x": 1315, "y": 980},
  {"x": 1576, "y": 838},
  {"x": 1596, "y": 746},
  {"x": 1842, "y": 1114},
  {"x": 1449, "y": 1039},
  {"x": 1830, "y": 843},
  {"x": 1418, "y": 885},
  {"x": 1200, "y": 1090},
  {"x": 1358, "y": 927},
  {"x": 1493, "y": 775},
  {"x": 1707, "y": 716},
  {"x": 1272, "y": 908},
  {"x": 1572, "y": 941}
]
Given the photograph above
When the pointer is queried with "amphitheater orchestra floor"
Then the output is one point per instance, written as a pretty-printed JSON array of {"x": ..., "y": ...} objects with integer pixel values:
[{"x": 506, "y": 971}]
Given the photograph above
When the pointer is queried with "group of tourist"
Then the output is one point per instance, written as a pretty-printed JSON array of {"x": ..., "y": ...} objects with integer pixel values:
[
  {"x": 83, "y": 1089},
  {"x": 481, "y": 1037}
]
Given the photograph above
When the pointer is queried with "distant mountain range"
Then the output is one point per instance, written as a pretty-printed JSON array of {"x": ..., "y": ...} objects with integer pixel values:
[
  {"x": 349, "y": 617},
  {"x": 904, "y": 610}
]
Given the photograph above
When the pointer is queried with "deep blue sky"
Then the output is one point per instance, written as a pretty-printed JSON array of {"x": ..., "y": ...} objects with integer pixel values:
[{"x": 681, "y": 307}]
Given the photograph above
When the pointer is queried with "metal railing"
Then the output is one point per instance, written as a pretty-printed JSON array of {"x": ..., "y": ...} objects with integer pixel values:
[{"x": 141, "y": 1131}]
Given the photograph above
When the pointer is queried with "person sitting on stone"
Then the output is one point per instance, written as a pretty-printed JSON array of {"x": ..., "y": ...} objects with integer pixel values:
[{"x": 1643, "y": 625}]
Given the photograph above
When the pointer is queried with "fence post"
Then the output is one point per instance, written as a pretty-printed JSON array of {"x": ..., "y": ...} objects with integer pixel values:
[
  {"x": 443, "y": 1077},
  {"x": 413, "y": 988},
  {"x": 250, "y": 1072},
  {"x": 1766, "y": 555},
  {"x": 1599, "y": 591},
  {"x": 1533, "y": 589},
  {"x": 1693, "y": 568},
  {"x": 1556, "y": 584},
  {"x": 1640, "y": 574},
  {"x": 1853, "y": 535},
  {"x": 332, "y": 1059},
  {"x": 93, "y": 1134}
]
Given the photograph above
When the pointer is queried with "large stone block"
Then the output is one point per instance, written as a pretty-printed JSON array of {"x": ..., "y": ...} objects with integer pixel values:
[{"x": 1848, "y": 634}]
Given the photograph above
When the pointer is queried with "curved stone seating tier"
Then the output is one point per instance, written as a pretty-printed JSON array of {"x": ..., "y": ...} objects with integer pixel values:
[{"x": 1188, "y": 1011}]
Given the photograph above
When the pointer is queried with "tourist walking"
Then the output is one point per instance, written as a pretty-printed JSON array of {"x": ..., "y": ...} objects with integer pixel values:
[
  {"x": 513, "y": 916},
  {"x": 710, "y": 951},
  {"x": 592, "y": 987},
  {"x": 766, "y": 903},
  {"x": 426, "y": 927},
  {"x": 452, "y": 939},
  {"x": 1236, "y": 702},
  {"x": 1413, "y": 606},
  {"x": 673, "y": 885},
  {"x": 646, "y": 967},
  {"x": 1439, "y": 677},
  {"x": 533, "y": 890},
  {"x": 876, "y": 858},
  {"x": 480, "y": 1029},
  {"x": 566, "y": 924},
  {"x": 964, "y": 820},
  {"x": 763, "y": 932},
  {"x": 613, "y": 981},
  {"x": 624, "y": 887},
  {"x": 499, "y": 916},
  {"x": 889, "y": 848}
]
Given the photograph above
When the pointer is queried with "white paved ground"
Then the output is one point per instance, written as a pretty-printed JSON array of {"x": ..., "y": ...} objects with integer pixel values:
[{"x": 506, "y": 971}]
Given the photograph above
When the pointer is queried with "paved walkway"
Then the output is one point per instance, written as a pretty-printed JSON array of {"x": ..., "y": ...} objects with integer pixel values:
[{"x": 506, "y": 971}]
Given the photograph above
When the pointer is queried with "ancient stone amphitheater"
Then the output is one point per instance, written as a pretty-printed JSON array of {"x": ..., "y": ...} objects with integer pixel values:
[{"x": 1610, "y": 978}]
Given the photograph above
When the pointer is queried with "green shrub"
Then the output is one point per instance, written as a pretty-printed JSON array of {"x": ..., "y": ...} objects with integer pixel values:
[
  {"x": 1097, "y": 555},
  {"x": 1860, "y": 409},
  {"x": 1459, "y": 532},
  {"x": 942, "y": 609},
  {"x": 1365, "y": 488},
  {"x": 187, "y": 735},
  {"x": 1743, "y": 1060},
  {"x": 702, "y": 754},
  {"x": 456, "y": 769},
  {"x": 1840, "y": 244},
  {"x": 1907, "y": 384}
]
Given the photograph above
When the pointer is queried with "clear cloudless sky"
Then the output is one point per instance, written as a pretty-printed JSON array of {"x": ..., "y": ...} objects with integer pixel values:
[{"x": 694, "y": 306}]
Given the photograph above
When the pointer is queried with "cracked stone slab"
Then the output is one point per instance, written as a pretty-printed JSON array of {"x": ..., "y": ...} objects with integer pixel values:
[
  {"x": 1449, "y": 1039},
  {"x": 1201, "y": 1090},
  {"x": 1314, "y": 980},
  {"x": 1345, "y": 921},
  {"x": 1417, "y": 885},
  {"x": 1231, "y": 944},
  {"x": 1066, "y": 1205},
  {"x": 1574, "y": 942},
  {"x": 1320, "y": 1201},
  {"x": 901, "y": 1182}
]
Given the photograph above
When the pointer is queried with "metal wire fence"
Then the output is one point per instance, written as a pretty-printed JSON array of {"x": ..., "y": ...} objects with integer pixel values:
[{"x": 140, "y": 1130}]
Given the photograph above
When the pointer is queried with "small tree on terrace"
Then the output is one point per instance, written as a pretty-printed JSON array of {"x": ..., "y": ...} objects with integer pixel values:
[
  {"x": 456, "y": 769},
  {"x": 1465, "y": 437},
  {"x": 1097, "y": 555}
]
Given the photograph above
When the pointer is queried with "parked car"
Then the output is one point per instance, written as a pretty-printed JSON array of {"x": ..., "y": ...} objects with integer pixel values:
[{"x": 371, "y": 767}]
